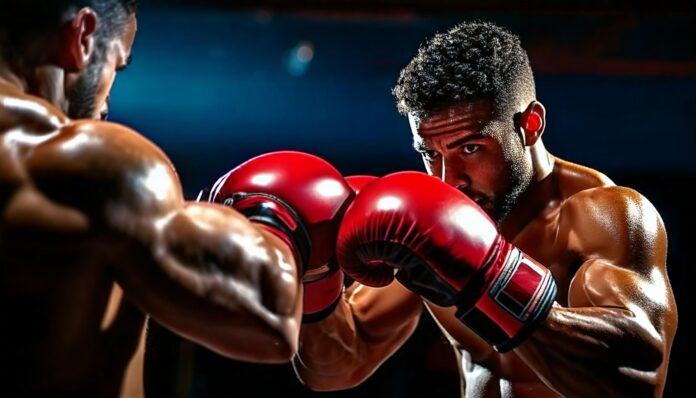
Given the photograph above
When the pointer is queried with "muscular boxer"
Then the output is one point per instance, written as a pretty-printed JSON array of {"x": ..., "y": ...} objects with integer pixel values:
[
  {"x": 87, "y": 203},
  {"x": 547, "y": 279}
]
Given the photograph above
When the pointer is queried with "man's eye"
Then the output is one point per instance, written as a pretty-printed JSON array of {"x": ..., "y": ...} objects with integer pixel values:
[
  {"x": 429, "y": 155},
  {"x": 469, "y": 149}
]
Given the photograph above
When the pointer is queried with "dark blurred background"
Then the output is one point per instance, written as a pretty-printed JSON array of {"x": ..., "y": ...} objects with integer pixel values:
[{"x": 217, "y": 82}]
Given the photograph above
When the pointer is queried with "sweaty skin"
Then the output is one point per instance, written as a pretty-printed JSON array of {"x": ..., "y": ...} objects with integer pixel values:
[
  {"x": 89, "y": 203},
  {"x": 610, "y": 331}
]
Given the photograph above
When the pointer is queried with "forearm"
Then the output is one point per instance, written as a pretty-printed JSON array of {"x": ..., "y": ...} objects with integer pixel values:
[
  {"x": 589, "y": 352},
  {"x": 344, "y": 349},
  {"x": 330, "y": 351}
]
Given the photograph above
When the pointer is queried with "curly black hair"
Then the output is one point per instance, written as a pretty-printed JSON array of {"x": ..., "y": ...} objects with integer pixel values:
[
  {"x": 472, "y": 61},
  {"x": 22, "y": 21}
]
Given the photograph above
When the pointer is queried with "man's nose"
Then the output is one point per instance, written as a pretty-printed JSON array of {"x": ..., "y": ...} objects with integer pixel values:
[{"x": 453, "y": 175}]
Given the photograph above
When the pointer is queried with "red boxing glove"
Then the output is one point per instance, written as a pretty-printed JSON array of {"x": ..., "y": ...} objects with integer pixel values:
[
  {"x": 300, "y": 198},
  {"x": 357, "y": 182},
  {"x": 447, "y": 250},
  {"x": 321, "y": 286}
]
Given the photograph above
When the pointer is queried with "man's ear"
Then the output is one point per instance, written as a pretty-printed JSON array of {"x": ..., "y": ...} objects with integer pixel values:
[
  {"x": 77, "y": 40},
  {"x": 531, "y": 123}
]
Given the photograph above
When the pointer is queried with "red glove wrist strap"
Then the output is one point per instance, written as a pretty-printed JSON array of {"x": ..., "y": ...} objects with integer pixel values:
[
  {"x": 322, "y": 296},
  {"x": 519, "y": 295}
]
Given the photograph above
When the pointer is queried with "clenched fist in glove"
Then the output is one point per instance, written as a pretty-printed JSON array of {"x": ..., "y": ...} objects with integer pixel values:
[{"x": 441, "y": 245}]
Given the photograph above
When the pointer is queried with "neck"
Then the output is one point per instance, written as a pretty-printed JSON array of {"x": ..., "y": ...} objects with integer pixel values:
[
  {"x": 46, "y": 81},
  {"x": 538, "y": 196},
  {"x": 542, "y": 161}
]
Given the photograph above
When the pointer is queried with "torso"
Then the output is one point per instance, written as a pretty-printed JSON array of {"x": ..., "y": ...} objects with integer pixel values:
[
  {"x": 55, "y": 279},
  {"x": 487, "y": 373}
]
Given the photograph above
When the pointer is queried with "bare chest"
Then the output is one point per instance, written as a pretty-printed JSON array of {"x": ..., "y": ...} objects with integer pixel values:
[{"x": 543, "y": 240}]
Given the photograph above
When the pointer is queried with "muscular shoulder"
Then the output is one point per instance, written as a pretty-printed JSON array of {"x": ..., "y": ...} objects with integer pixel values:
[
  {"x": 574, "y": 178},
  {"x": 613, "y": 223},
  {"x": 95, "y": 165},
  {"x": 105, "y": 147},
  {"x": 33, "y": 114}
]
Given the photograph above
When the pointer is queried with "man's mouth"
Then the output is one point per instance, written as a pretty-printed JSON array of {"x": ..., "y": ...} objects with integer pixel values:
[
  {"x": 481, "y": 200},
  {"x": 486, "y": 205}
]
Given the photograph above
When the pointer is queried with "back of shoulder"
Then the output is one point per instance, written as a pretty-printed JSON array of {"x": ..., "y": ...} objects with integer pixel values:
[
  {"x": 98, "y": 150},
  {"x": 38, "y": 133},
  {"x": 38, "y": 140},
  {"x": 32, "y": 113},
  {"x": 100, "y": 162},
  {"x": 90, "y": 168}
]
